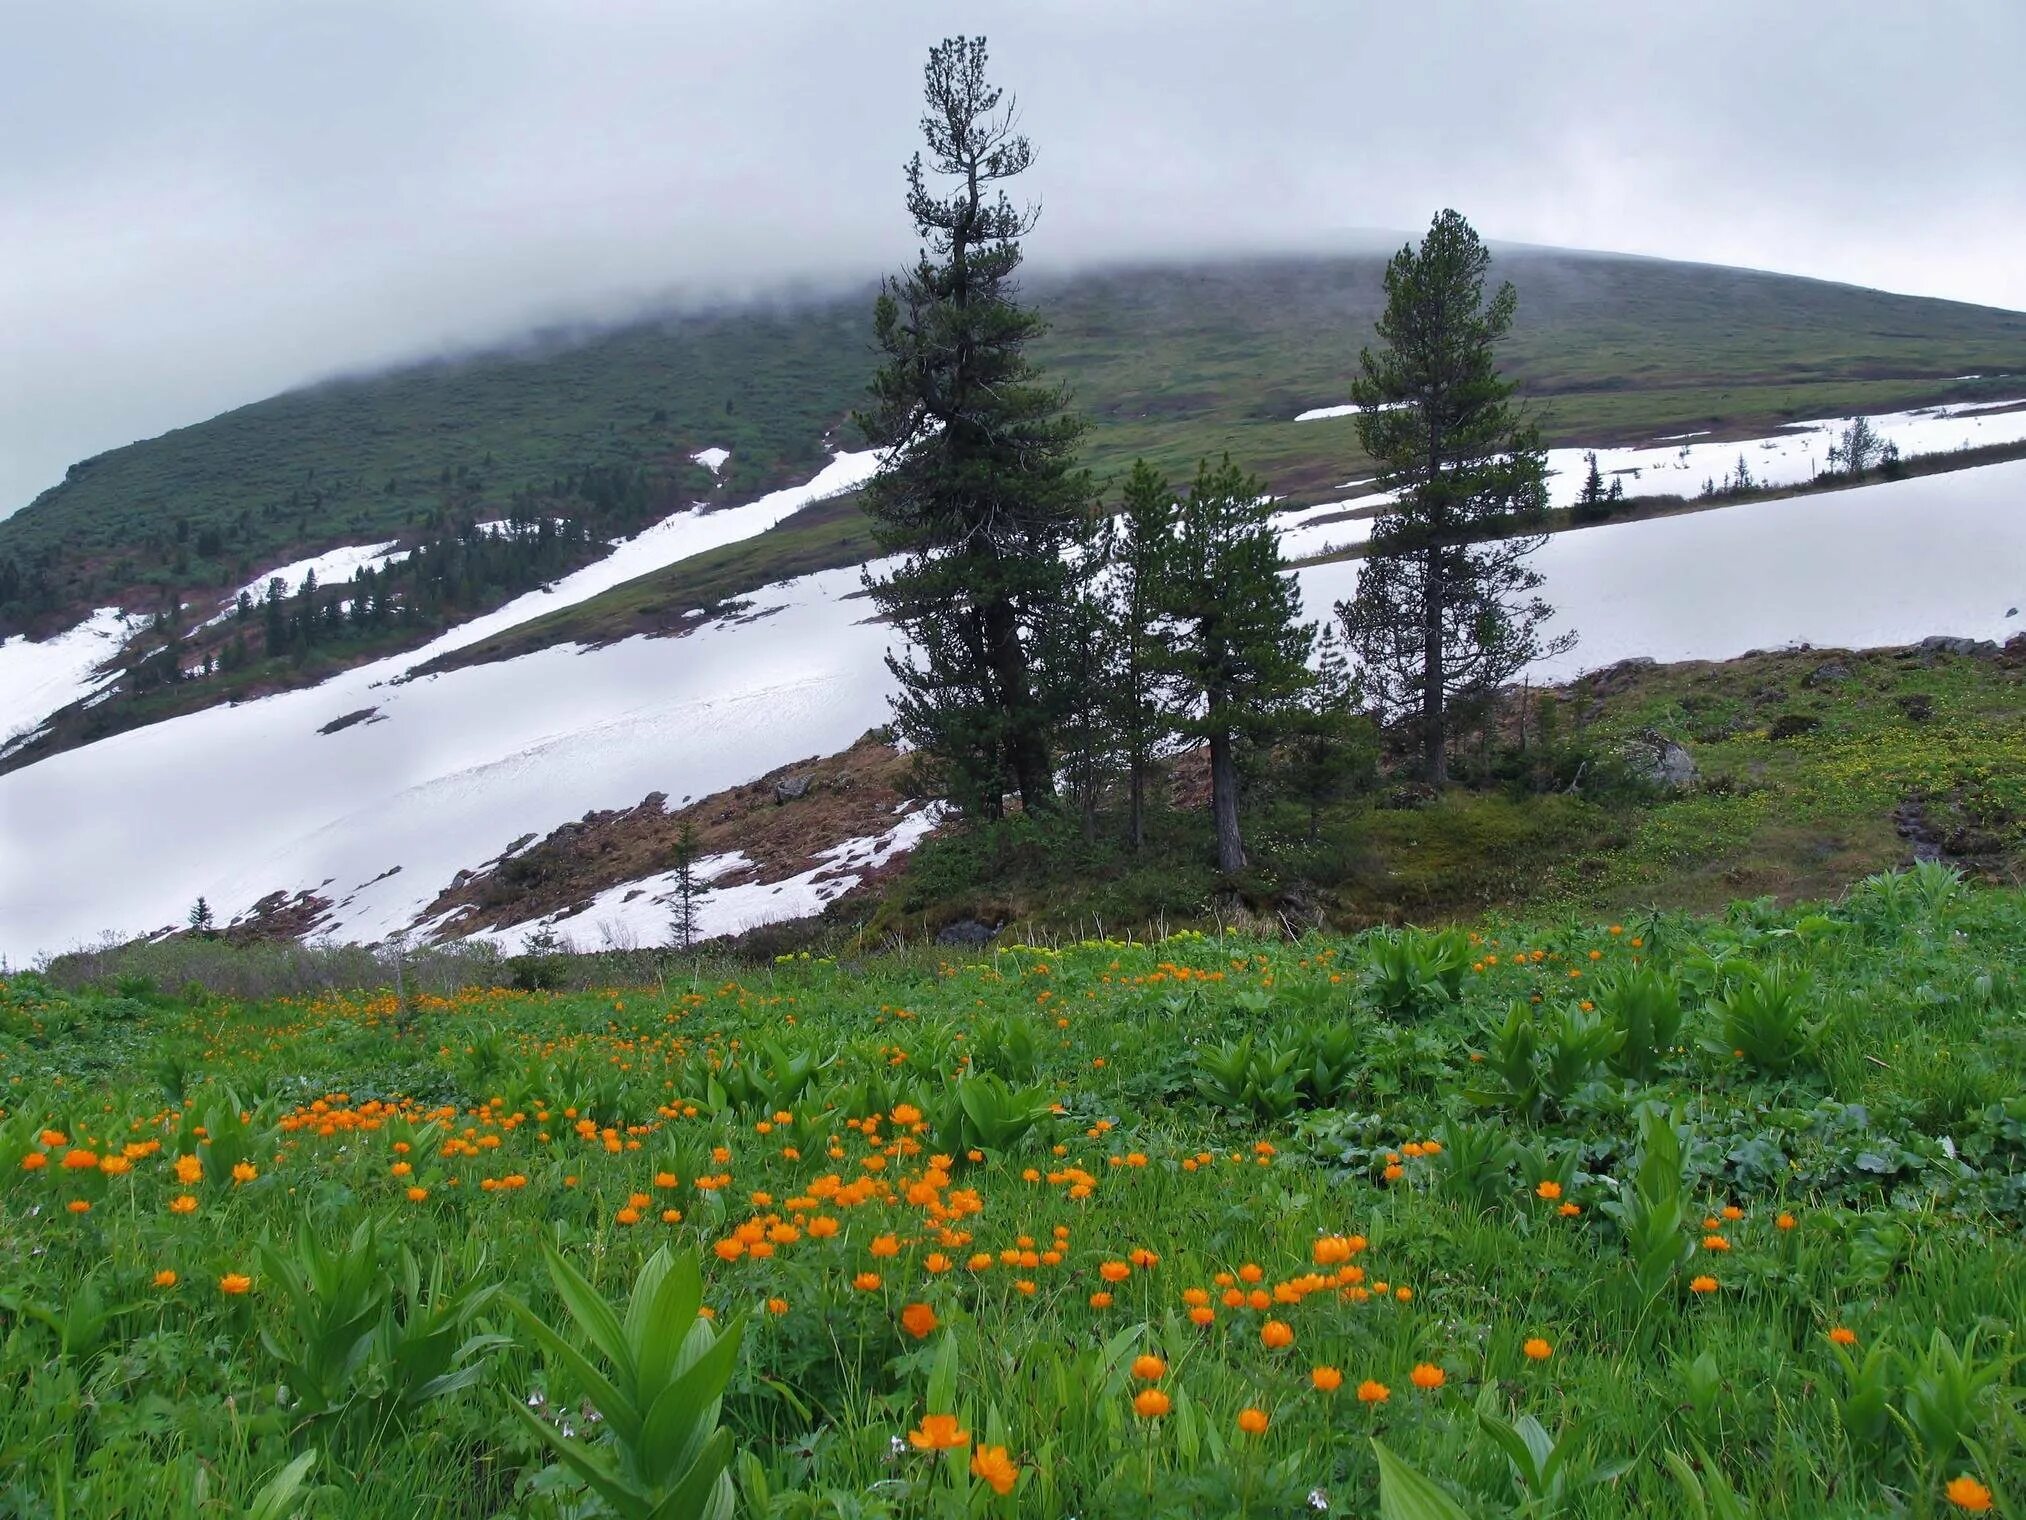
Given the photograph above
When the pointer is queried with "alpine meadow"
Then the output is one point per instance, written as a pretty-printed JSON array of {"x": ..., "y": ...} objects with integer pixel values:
[{"x": 1256, "y": 879}]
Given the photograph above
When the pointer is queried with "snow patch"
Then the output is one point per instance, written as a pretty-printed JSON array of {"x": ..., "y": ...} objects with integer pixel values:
[
  {"x": 334, "y": 567},
  {"x": 1317, "y": 414},
  {"x": 41, "y": 677},
  {"x": 639, "y": 913},
  {"x": 712, "y": 459}
]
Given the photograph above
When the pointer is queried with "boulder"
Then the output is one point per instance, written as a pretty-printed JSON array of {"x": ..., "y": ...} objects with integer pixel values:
[
  {"x": 788, "y": 788},
  {"x": 1830, "y": 674},
  {"x": 1661, "y": 760},
  {"x": 967, "y": 933},
  {"x": 1945, "y": 643}
]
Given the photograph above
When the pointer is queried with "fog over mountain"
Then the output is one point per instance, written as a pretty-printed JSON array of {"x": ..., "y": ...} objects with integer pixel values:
[{"x": 203, "y": 203}]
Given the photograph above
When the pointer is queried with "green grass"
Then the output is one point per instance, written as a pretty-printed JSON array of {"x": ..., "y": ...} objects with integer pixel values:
[
  {"x": 1789, "y": 818},
  {"x": 1176, "y": 362},
  {"x": 1132, "y": 1139}
]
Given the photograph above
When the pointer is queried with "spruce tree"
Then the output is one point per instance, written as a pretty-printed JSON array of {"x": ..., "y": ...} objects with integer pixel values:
[
  {"x": 1139, "y": 695},
  {"x": 683, "y": 922},
  {"x": 1443, "y": 606},
  {"x": 979, "y": 494},
  {"x": 1236, "y": 652},
  {"x": 1330, "y": 749}
]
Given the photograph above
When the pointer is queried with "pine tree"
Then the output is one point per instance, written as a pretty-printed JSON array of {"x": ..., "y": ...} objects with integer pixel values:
[
  {"x": 1084, "y": 650},
  {"x": 1443, "y": 606},
  {"x": 1331, "y": 748},
  {"x": 202, "y": 924},
  {"x": 1139, "y": 695},
  {"x": 1237, "y": 653},
  {"x": 683, "y": 924},
  {"x": 1590, "y": 501},
  {"x": 979, "y": 494}
]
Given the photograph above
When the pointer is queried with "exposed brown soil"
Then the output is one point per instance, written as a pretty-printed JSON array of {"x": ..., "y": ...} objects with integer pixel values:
[{"x": 852, "y": 795}]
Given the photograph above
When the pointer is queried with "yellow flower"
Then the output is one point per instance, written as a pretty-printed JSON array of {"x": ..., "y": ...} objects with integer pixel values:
[
  {"x": 1151, "y": 1403},
  {"x": 993, "y": 1466},
  {"x": 1966, "y": 1493},
  {"x": 939, "y": 1432}
]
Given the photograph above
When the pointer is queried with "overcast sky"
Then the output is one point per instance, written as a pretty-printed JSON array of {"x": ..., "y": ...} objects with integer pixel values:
[{"x": 206, "y": 201}]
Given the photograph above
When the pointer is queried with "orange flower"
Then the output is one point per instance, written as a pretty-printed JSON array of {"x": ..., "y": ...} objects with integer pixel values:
[
  {"x": 34, "y": 1161},
  {"x": 1537, "y": 1350},
  {"x": 939, "y": 1432},
  {"x": 628, "y": 1215},
  {"x": 1372, "y": 1391},
  {"x": 1569, "y": 1210},
  {"x": 1550, "y": 1190},
  {"x": 418, "y": 1194},
  {"x": 731, "y": 1248},
  {"x": 777, "y": 1306},
  {"x": 165, "y": 1278},
  {"x": 866, "y": 1282},
  {"x": 1966, "y": 1493},
  {"x": 1275, "y": 1335},
  {"x": 78, "y": 1206},
  {"x": 991, "y": 1464},
  {"x": 1114, "y": 1271},
  {"x": 919, "y": 1320},
  {"x": 1202, "y": 1314},
  {"x": 115, "y": 1166},
  {"x": 234, "y": 1283},
  {"x": 1100, "y": 1300},
  {"x": 1149, "y": 1369},
  {"x": 886, "y": 1245},
  {"x": 1427, "y": 1375},
  {"x": 183, "y": 1204},
  {"x": 246, "y": 1171},
  {"x": 1326, "y": 1379},
  {"x": 1151, "y": 1403},
  {"x": 1715, "y": 1243},
  {"x": 1253, "y": 1421},
  {"x": 1786, "y": 1221},
  {"x": 1702, "y": 1284}
]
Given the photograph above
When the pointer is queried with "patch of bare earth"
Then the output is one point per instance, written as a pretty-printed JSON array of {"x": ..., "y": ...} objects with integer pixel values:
[{"x": 781, "y": 823}]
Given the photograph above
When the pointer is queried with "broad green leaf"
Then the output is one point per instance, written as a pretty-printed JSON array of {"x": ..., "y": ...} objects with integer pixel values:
[{"x": 1405, "y": 1495}]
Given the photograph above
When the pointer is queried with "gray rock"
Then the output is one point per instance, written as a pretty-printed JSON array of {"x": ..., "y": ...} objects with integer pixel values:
[
  {"x": 791, "y": 787},
  {"x": 1661, "y": 760},
  {"x": 1944, "y": 643},
  {"x": 966, "y": 932},
  {"x": 1827, "y": 675}
]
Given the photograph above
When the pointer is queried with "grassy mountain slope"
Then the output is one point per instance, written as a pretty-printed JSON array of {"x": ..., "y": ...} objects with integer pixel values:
[{"x": 1172, "y": 361}]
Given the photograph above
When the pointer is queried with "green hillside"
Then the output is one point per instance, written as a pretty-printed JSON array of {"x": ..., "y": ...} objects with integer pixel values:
[{"x": 1172, "y": 361}]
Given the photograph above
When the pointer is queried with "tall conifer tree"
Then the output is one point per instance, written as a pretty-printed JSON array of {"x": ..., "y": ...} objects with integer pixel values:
[
  {"x": 979, "y": 495},
  {"x": 1444, "y": 606},
  {"x": 1236, "y": 651}
]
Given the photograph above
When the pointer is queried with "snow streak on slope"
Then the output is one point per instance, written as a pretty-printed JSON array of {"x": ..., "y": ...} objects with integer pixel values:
[
  {"x": 637, "y": 913},
  {"x": 378, "y": 816},
  {"x": 39, "y": 678},
  {"x": 332, "y": 567},
  {"x": 1874, "y": 565}
]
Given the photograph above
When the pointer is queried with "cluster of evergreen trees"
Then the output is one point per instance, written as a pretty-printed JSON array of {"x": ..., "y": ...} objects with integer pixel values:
[
  {"x": 458, "y": 566},
  {"x": 1056, "y": 641}
]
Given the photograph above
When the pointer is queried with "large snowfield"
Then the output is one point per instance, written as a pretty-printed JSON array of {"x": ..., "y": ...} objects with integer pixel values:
[{"x": 235, "y": 803}]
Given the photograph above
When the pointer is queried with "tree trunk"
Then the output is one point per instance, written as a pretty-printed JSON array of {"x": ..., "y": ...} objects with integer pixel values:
[
  {"x": 1434, "y": 756},
  {"x": 1136, "y": 803},
  {"x": 1224, "y": 802}
]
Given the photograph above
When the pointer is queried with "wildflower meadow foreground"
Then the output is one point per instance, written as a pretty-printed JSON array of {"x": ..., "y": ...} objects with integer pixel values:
[{"x": 1680, "y": 1217}]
